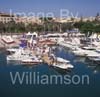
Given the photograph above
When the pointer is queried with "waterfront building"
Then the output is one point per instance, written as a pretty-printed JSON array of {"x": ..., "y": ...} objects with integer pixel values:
[
  {"x": 5, "y": 18},
  {"x": 28, "y": 20}
]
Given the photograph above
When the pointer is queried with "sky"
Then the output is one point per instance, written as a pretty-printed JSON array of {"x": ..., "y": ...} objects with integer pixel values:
[{"x": 82, "y": 7}]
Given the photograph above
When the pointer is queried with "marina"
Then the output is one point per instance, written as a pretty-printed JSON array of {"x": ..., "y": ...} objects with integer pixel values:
[
  {"x": 82, "y": 66},
  {"x": 49, "y": 48},
  {"x": 32, "y": 48}
]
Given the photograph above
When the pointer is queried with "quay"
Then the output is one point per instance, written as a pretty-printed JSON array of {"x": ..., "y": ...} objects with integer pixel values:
[{"x": 46, "y": 59}]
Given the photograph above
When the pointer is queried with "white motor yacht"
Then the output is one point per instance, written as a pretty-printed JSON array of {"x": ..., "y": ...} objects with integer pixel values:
[
  {"x": 33, "y": 60},
  {"x": 62, "y": 64},
  {"x": 89, "y": 47},
  {"x": 7, "y": 39},
  {"x": 93, "y": 56},
  {"x": 24, "y": 57},
  {"x": 12, "y": 50},
  {"x": 79, "y": 52}
]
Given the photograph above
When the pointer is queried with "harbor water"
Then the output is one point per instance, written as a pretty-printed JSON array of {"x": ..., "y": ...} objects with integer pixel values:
[{"x": 81, "y": 67}]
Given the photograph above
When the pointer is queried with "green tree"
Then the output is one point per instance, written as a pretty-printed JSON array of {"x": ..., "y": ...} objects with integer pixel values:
[
  {"x": 2, "y": 27},
  {"x": 87, "y": 27}
]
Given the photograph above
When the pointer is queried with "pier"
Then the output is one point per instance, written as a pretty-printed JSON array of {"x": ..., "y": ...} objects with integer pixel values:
[{"x": 46, "y": 59}]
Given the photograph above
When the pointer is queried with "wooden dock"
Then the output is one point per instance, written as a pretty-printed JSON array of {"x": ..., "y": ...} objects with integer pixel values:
[{"x": 46, "y": 59}]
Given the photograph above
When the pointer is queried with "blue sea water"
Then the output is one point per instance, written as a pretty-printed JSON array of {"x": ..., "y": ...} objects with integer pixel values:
[{"x": 7, "y": 89}]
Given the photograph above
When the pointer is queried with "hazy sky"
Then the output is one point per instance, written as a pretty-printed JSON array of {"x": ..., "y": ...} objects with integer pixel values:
[{"x": 83, "y": 7}]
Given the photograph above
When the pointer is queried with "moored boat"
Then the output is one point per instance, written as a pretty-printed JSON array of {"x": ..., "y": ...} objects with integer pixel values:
[
  {"x": 31, "y": 61},
  {"x": 7, "y": 40},
  {"x": 62, "y": 64}
]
